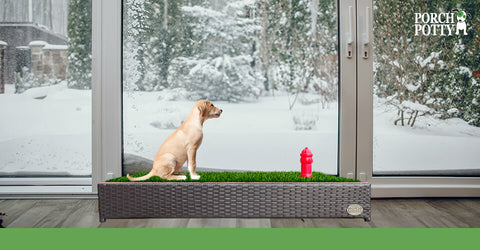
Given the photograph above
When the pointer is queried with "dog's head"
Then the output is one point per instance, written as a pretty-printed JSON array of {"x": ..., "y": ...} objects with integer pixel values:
[
  {"x": 461, "y": 15},
  {"x": 208, "y": 110}
]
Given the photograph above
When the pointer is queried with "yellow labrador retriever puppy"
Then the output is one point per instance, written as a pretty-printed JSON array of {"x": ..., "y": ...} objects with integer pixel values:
[{"x": 182, "y": 145}]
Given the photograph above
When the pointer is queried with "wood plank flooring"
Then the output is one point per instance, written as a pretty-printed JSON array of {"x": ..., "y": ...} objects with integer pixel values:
[{"x": 386, "y": 213}]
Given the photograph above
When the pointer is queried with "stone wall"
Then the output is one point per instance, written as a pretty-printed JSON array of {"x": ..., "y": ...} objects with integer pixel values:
[
  {"x": 48, "y": 61},
  {"x": 19, "y": 35}
]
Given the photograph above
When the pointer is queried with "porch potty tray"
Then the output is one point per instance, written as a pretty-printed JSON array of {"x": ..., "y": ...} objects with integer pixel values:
[{"x": 234, "y": 200}]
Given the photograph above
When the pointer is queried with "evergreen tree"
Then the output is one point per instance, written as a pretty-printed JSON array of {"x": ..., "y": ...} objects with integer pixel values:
[
  {"x": 169, "y": 36},
  {"x": 425, "y": 75},
  {"x": 221, "y": 65},
  {"x": 462, "y": 97},
  {"x": 79, "y": 31}
]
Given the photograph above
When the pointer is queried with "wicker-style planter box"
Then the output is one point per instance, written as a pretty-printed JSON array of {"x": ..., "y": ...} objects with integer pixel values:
[{"x": 233, "y": 200}]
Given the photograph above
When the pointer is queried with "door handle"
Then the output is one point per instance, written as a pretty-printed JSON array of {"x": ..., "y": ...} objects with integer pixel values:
[
  {"x": 366, "y": 34},
  {"x": 349, "y": 34}
]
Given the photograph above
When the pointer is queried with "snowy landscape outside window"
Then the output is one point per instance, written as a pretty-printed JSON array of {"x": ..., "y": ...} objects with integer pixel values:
[
  {"x": 426, "y": 92},
  {"x": 45, "y": 88},
  {"x": 271, "y": 65}
]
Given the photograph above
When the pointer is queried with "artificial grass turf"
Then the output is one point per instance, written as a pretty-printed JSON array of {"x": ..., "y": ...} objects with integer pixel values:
[{"x": 246, "y": 177}]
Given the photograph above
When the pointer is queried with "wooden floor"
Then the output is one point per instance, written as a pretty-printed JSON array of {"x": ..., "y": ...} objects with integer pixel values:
[{"x": 386, "y": 213}]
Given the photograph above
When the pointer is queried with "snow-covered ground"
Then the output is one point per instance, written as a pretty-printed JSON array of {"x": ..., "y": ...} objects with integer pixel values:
[
  {"x": 432, "y": 144},
  {"x": 256, "y": 136},
  {"x": 48, "y": 130}
]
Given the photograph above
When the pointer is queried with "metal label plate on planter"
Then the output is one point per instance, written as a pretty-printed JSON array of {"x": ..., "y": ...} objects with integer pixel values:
[{"x": 354, "y": 209}]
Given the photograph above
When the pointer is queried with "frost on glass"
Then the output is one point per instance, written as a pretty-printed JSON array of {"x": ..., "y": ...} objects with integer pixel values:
[
  {"x": 45, "y": 82},
  {"x": 426, "y": 92},
  {"x": 270, "y": 65}
]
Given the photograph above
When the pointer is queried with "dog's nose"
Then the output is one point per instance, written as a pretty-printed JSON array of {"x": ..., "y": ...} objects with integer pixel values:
[{"x": 221, "y": 110}]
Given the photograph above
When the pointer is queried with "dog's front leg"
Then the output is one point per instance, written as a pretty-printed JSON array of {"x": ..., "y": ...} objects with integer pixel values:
[{"x": 192, "y": 163}]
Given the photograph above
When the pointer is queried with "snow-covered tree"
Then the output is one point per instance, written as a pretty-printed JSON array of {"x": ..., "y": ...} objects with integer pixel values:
[
  {"x": 221, "y": 66},
  {"x": 79, "y": 29},
  {"x": 232, "y": 50},
  {"x": 168, "y": 36},
  {"x": 424, "y": 75},
  {"x": 136, "y": 24},
  {"x": 298, "y": 41},
  {"x": 407, "y": 67},
  {"x": 460, "y": 95}
]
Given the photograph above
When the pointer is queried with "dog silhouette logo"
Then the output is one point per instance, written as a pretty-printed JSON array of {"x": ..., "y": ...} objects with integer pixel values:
[{"x": 461, "y": 23}]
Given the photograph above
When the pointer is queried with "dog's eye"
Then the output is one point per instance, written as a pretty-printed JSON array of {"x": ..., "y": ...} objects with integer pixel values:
[{"x": 211, "y": 105}]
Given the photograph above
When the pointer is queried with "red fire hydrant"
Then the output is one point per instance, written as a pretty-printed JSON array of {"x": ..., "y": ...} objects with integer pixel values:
[{"x": 306, "y": 160}]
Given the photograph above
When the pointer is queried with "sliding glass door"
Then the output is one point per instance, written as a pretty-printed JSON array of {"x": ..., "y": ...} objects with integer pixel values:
[{"x": 45, "y": 93}]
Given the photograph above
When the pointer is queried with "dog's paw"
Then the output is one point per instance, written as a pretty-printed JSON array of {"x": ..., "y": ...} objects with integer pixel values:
[
  {"x": 182, "y": 177},
  {"x": 195, "y": 177}
]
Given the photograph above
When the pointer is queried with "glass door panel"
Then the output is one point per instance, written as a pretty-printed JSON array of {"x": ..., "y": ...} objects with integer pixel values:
[
  {"x": 426, "y": 91},
  {"x": 45, "y": 88},
  {"x": 272, "y": 66}
]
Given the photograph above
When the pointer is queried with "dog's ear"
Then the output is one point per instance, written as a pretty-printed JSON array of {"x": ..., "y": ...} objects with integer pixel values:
[{"x": 202, "y": 107}]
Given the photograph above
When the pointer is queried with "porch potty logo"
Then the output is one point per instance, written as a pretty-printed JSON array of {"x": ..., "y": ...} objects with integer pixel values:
[{"x": 441, "y": 24}]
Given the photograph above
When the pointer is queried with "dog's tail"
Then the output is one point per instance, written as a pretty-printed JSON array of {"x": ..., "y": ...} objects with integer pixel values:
[{"x": 141, "y": 178}]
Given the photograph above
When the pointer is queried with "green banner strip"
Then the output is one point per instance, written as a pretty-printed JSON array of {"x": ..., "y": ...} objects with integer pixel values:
[{"x": 138, "y": 239}]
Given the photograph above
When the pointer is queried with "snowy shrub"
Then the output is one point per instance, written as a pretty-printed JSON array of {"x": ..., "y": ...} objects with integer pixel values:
[
  {"x": 307, "y": 99},
  {"x": 50, "y": 79},
  {"x": 304, "y": 118},
  {"x": 25, "y": 80},
  {"x": 176, "y": 94},
  {"x": 168, "y": 118},
  {"x": 167, "y": 124},
  {"x": 303, "y": 122},
  {"x": 310, "y": 99}
]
